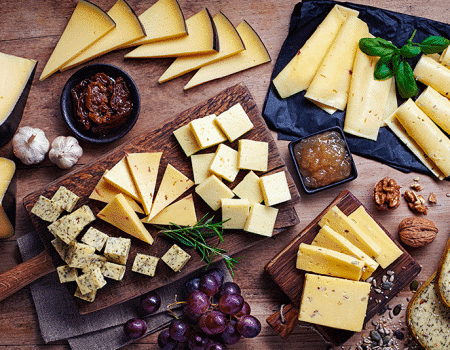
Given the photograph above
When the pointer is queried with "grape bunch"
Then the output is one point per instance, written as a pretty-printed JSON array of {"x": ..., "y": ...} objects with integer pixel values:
[{"x": 215, "y": 315}]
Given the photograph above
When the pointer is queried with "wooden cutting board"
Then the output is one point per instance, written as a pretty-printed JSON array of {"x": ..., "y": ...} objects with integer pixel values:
[
  {"x": 83, "y": 181},
  {"x": 290, "y": 279}
]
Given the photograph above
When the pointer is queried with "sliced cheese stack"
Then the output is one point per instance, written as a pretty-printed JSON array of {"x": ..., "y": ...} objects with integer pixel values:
[{"x": 7, "y": 198}]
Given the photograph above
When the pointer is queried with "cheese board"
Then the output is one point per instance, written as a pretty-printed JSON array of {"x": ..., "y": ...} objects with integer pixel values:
[
  {"x": 282, "y": 269},
  {"x": 83, "y": 181}
]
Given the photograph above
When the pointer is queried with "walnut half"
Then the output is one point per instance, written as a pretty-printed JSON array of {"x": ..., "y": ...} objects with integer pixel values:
[
  {"x": 386, "y": 194},
  {"x": 417, "y": 232},
  {"x": 415, "y": 203}
]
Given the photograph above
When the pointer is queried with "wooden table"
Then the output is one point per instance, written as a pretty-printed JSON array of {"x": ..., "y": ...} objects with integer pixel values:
[{"x": 31, "y": 29}]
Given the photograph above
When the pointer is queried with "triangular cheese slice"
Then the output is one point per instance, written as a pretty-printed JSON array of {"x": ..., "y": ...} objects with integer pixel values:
[
  {"x": 120, "y": 214},
  {"x": 173, "y": 185},
  {"x": 180, "y": 213},
  {"x": 144, "y": 171},
  {"x": 120, "y": 177},
  {"x": 87, "y": 24},
  {"x": 202, "y": 38},
  {"x": 128, "y": 29},
  {"x": 230, "y": 43},
  {"x": 255, "y": 53}
]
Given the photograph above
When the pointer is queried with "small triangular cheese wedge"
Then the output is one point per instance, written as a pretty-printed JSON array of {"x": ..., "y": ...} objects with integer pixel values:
[
  {"x": 172, "y": 186},
  {"x": 144, "y": 171},
  {"x": 180, "y": 213},
  {"x": 120, "y": 177},
  {"x": 87, "y": 24},
  {"x": 120, "y": 214}
]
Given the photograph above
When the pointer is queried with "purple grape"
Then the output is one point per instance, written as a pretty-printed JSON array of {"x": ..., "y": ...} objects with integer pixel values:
[
  {"x": 179, "y": 330},
  {"x": 229, "y": 288},
  {"x": 230, "y": 335},
  {"x": 192, "y": 285},
  {"x": 218, "y": 275},
  {"x": 198, "y": 342},
  {"x": 165, "y": 342},
  {"x": 248, "y": 326},
  {"x": 215, "y": 321},
  {"x": 150, "y": 302},
  {"x": 209, "y": 285},
  {"x": 216, "y": 346},
  {"x": 191, "y": 316},
  {"x": 198, "y": 302},
  {"x": 245, "y": 310},
  {"x": 231, "y": 304},
  {"x": 135, "y": 328},
  {"x": 202, "y": 324}
]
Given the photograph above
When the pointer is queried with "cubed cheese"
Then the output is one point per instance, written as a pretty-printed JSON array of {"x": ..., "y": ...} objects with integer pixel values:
[
  {"x": 95, "y": 261},
  {"x": 61, "y": 247},
  {"x": 234, "y": 122},
  {"x": 113, "y": 271},
  {"x": 275, "y": 188},
  {"x": 83, "y": 216},
  {"x": 67, "y": 273},
  {"x": 261, "y": 220},
  {"x": 176, "y": 258},
  {"x": 225, "y": 163},
  {"x": 46, "y": 209},
  {"x": 79, "y": 254},
  {"x": 200, "y": 166},
  {"x": 212, "y": 190},
  {"x": 186, "y": 139},
  {"x": 95, "y": 238},
  {"x": 65, "y": 198},
  {"x": 93, "y": 280},
  {"x": 249, "y": 188},
  {"x": 253, "y": 155},
  {"x": 66, "y": 228},
  {"x": 206, "y": 131},
  {"x": 145, "y": 264},
  {"x": 235, "y": 212},
  {"x": 117, "y": 249},
  {"x": 87, "y": 297}
]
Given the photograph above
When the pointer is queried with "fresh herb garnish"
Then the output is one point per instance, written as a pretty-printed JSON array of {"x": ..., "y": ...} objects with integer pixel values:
[
  {"x": 195, "y": 237},
  {"x": 393, "y": 60}
]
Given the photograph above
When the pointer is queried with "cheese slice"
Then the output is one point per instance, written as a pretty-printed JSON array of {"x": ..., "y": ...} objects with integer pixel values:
[
  {"x": 202, "y": 38},
  {"x": 444, "y": 58},
  {"x": 186, "y": 139},
  {"x": 391, "y": 103},
  {"x": 128, "y": 29},
  {"x": 433, "y": 74},
  {"x": 87, "y": 24},
  {"x": 230, "y": 43},
  {"x": 173, "y": 185},
  {"x": 144, "y": 171},
  {"x": 120, "y": 177},
  {"x": 120, "y": 214},
  {"x": 255, "y": 53},
  {"x": 180, "y": 213},
  {"x": 435, "y": 106},
  {"x": 7, "y": 198}
]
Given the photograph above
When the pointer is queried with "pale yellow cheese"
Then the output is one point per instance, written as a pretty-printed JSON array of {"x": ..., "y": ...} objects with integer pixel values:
[
  {"x": 444, "y": 58},
  {"x": 186, "y": 139},
  {"x": 212, "y": 190},
  {"x": 334, "y": 302},
  {"x": 435, "y": 106},
  {"x": 235, "y": 213},
  {"x": 200, "y": 166},
  {"x": 120, "y": 177},
  {"x": 234, "y": 122},
  {"x": 206, "y": 131},
  {"x": 87, "y": 24},
  {"x": 391, "y": 103},
  {"x": 180, "y": 213},
  {"x": 275, "y": 188},
  {"x": 249, "y": 188},
  {"x": 253, "y": 155},
  {"x": 7, "y": 170},
  {"x": 261, "y": 220},
  {"x": 225, "y": 163},
  {"x": 433, "y": 74}
]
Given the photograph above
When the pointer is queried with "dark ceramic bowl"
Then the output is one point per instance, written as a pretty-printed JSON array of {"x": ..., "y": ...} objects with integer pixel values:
[
  {"x": 353, "y": 173},
  {"x": 67, "y": 109}
]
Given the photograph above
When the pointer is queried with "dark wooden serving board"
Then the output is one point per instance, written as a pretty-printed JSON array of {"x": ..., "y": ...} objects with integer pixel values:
[
  {"x": 290, "y": 279},
  {"x": 83, "y": 181}
]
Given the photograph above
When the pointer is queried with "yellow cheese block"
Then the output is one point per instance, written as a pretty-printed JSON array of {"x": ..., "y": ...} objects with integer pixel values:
[
  {"x": 120, "y": 214},
  {"x": 444, "y": 58},
  {"x": 325, "y": 261},
  {"x": 249, "y": 188},
  {"x": 275, "y": 188},
  {"x": 436, "y": 106},
  {"x": 225, "y": 163},
  {"x": 230, "y": 43},
  {"x": 202, "y": 38},
  {"x": 164, "y": 20},
  {"x": 331, "y": 83},
  {"x": 253, "y": 155},
  {"x": 428, "y": 136},
  {"x": 87, "y": 24},
  {"x": 389, "y": 250},
  {"x": 8, "y": 205},
  {"x": 255, "y": 53},
  {"x": 200, "y": 166},
  {"x": 433, "y": 74},
  {"x": 339, "y": 222},
  {"x": 212, "y": 190},
  {"x": 128, "y": 29},
  {"x": 206, "y": 131},
  {"x": 120, "y": 177},
  {"x": 180, "y": 213},
  {"x": 173, "y": 185},
  {"x": 234, "y": 122},
  {"x": 334, "y": 302},
  {"x": 235, "y": 213},
  {"x": 300, "y": 71},
  {"x": 186, "y": 139},
  {"x": 144, "y": 171},
  {"x": 261, "y": 220},
  {"x": 328, "y": 238}
]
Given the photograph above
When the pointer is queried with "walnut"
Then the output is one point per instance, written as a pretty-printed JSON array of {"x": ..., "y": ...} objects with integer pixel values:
[
  {"x": 432, "y": 198},
  {"x": 415, "y": 203},
  {"x": 386, "y": 194},
  {"x": 417, "y": 232}
]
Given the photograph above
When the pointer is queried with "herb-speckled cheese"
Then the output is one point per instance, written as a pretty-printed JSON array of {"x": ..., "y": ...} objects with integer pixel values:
[
  {"x": 95, "y": 238},
  {"x": 60, "y": 247},
  {"x": 65, "y": 228},
  {"x": 91, "y": 281},
  {"x": 65, "y": 199},
  {"x": 145, "y": 264},
  {"x": 46, "y": 209},
  {"x": 67, "y": 273},
  {"x": 83, "y": 216},
  {"x": 117, "y": 249},
  {"x": 95, "y": 261},
  {"x": 79, "y": 254},
  {"x": 113, "y": 271},
  {"x": 176, "y": 258},
  {"x": 90, "y": 297}
]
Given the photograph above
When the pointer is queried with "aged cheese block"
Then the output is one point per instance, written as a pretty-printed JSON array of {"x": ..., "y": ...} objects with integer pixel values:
[
  {"x": 212, "y": 190},
  {"x": 275, "y": 188},
  {"x": 128, "y": 29},
  {"x": 435, "y": 106},
  {"x": 120, "y": 214},
  {"x": 253, "y": 155},
  {"x": 261, "y": 220},
  {"x": 255, "y": 53},
  {"x": 87, "y": 25},
  {"x": 249, "y": 188},
  {"x": 433, "y": 74},
  {"x": 7, "y": 198},
  {"x": 443, "y": 276},
  {"x": 230, "y": 43},
  {"x": 175, "y": 258},
  {"x": 117, "y": 249},
  {"x": 120, "y": 177},
  {"x": 234, "y": 122},
  {"x": 300, "y": 71},
  {"x": 235, "y": 212},
  {"x": 329, "y": 262},
  {"x": 206, "y": 131},
  {"x": 225, "y": 163},
  {"x": 202, "y": 39},
  {"x": 334, "y": 302},
  {"x": 200, "y": 166},
  {"x": 180, "y": 213}
]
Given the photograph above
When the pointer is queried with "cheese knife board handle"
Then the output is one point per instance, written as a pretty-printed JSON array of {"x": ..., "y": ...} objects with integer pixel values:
[
  {"x": 284, "y": 321},
  {"x": 25, "y": 273}
]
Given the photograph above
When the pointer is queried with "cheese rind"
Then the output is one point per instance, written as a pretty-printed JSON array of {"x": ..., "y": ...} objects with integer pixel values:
[
  {"x": 253, "y": 155},
  {"x": 275, "y": 188},
  {"x": 225, "y": 163},
  {"x": 145, "y": 264},
  {"x": 212, "y": 190},
  {"x": 234, "y": 122},
  {"x": 176, "y": 258},
  {"x": 261, "y": 220},
  {"x": 180, "y": 213}
]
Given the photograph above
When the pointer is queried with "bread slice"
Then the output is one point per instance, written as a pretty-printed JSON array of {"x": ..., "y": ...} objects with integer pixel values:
[{"x": 443, "y": 276}]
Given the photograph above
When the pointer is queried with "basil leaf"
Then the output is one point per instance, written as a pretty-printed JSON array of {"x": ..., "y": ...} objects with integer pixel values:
[
  {"x": 404, "y": 77},
  {"x": 377, "y": 47},
  {"x": 409, "y": 50},
  {"x": 434, "y": 44},
  {"x": 383, "y": 69}
]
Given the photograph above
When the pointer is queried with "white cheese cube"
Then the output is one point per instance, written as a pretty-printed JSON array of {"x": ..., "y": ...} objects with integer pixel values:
[
  {"x": 206, "y": 131},
  {"x": 225, "y": 163},
  {"x": 83, "y": 216},
  {"x": 65, "y": 228},
  {"x": 67, "y": 273},
  {"x": 95, "y": 261},
  {"x": 261, "y": 220},
  {"x": 113, "y": 271},
  {"x": 60, "y": 247},
  {"x": 93, "y": 280},
  {"x": 236, "y": 212},
  {"x": 95, "y": 238},
  {"x": 234, "y": 122},
  {"x": 145, "y": 264},
  {"x": 87, "y": 297},
  {"x": 253, "y": 155},
  {"x": 79, "y": 254},
  {"x": 65, "y": 199},
  {"x": 117, "y": 249},
  {"x": 176, "y": 258},
  {"x": 212, "y": 190},
  {"x": 46, "y": 209},
  {"x": 249, "y": 188},
  {"x": 275, "y": 188}
]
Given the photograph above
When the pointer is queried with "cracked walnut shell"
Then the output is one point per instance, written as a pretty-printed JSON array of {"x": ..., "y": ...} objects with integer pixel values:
[
  {"x": 386, "y": 194},
  {"x": 417, "y": 232}
]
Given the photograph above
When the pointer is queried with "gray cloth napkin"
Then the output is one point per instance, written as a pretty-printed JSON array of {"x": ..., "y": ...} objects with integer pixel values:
[{"x": 59, "y": 318}]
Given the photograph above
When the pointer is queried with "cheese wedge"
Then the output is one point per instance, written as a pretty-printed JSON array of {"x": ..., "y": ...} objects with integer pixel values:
[
  {"x": 173, "y": 185},
  {"x": 7, "y": 198},
  {"x": 164, "y": 20},
  {"x": 255, "y": 53},
  {"x": 436, "y": 106},
  {"x": 433, "y": 74},
  {"x": 144, "y": 171},
  {"x": 300, "y": 70},
  {"x": 120, "y": 214},
  {"x": 120, "y": 177},
  {"x": 230, "y": 43},
  {"x": 202, "y": 38},
  {"x": 331, "y": 83},
  {"x": 128, "y": 29},
  {"x": 180, "y": 213},
  {"x": 87, "y": 25}
]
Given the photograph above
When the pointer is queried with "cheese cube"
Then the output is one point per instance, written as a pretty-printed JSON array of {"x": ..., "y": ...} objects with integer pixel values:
[
  {"x": 234, "y": 122},
  {"x": 261, "y": 220},
  {"x": 334, "y": 302},
  {"x": 206, "y": 131},
  {"x": 61, "y": 247},
  {"x": 117, "y": 249},
  {"x": 253, "y": 155},
  {"x": 79, "y": 254},
  {"x": 249, "y": 188},
  {"x": 66, "y": 228},
  {"x": 200, "y": 166},
  {"x": 176, "y": 258},
  {"x": 186, "y": 139},
  {"x": 225, "y": 163},
  {"x": 236, "y": 212},
  {"x": 95, "y": 261},
  {"x": 88, "y": 296},
  {"x": 65, "y": 199},
  {"x": 83, "y": 216},
  {"x": 46, "y": 209},
  {"x": 113, "y": 271},
  {"x": 212, "y": 190},
  {"x": 67, "y": 273},
  {"x": 95, "y": 238},
  {"x": 275, "y": 188},
  {"x": 145, "y": 264},
  {"x": 93, "y": 280}
]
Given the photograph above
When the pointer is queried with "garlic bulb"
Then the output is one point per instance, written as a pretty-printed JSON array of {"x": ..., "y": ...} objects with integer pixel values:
[
  {"x": 30, "y": 145},
  {"x": 65, "y": 151}
]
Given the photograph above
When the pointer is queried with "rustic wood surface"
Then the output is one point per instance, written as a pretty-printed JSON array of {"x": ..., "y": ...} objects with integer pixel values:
[{"x": 32, "y": 28}]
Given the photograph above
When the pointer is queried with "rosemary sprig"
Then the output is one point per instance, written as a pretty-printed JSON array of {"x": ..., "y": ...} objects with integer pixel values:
[{"x": 195, "y": 237}]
